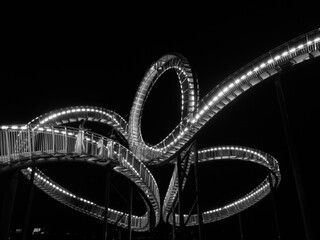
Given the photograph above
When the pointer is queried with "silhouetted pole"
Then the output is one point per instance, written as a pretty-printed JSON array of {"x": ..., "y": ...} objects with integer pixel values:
[
  {"x": 196, "y": 179},
  {"x": 130, "y": 211},
  {"x": 106, "y": 203},
  {"x": 173, "y": 223},
  {"x": 181, "y": 219},
  {"x": 275, "y": 212},
  {"x": 26, "y": 227},
  {"x": 240, "y": 226},
  {"x": 292, "y": 155},
  {"x": 9, "y": 196}
]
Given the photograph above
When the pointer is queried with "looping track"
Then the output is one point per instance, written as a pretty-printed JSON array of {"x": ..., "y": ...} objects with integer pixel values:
[{"x": 45, "y": 138}]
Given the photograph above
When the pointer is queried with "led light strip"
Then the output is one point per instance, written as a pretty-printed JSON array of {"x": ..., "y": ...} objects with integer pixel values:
[
  {"x": 91, "y": 113},
  {"x": 194, "y": 116}
]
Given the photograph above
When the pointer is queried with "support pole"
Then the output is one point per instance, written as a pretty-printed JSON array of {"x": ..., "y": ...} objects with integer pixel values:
[
  {"x": 196, "y": 179},
  {"x": 240, "y": 226},
  {"x": 173, "y": 223},
  {"x": 26, "y": 227},
  {"x": 275, "y": 212},
  {"x": 181, "y": 219},
  {"x": 130, "y": 211},
  {"x": 293, "y": 158},
  {"x": 106, "y": 203},
  {"x": 9, "y": 195}
]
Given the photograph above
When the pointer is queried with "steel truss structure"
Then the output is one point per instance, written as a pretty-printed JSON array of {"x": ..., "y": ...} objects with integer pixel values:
[{"x": 46, "y": 138}]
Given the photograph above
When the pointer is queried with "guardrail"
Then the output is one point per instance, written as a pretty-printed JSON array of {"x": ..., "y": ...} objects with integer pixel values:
[{"x": 22, "y": 141}]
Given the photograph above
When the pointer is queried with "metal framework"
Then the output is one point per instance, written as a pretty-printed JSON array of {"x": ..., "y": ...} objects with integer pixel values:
[{"x": 46, "y": 139}]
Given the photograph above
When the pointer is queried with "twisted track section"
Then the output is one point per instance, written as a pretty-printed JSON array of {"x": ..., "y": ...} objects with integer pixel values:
[{"x": 195, "y": 114}]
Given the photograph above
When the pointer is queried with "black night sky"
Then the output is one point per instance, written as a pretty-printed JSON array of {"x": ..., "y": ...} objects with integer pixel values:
[{"x": 99, "y": 61}]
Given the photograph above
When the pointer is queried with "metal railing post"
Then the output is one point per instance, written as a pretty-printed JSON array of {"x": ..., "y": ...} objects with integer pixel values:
[
  {"x": 53, "y": 139},
  {"x": 92, "y": 153},
  {"x": 8, "y": 145},
  {"x": 29, "y": 142},
  {"x": 66, "y": 140}
]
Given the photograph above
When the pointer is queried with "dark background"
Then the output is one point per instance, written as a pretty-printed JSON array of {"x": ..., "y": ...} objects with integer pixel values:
[{"x": 71, "y": 58}]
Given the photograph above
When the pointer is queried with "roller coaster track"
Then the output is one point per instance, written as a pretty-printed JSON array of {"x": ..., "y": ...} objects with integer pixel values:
[{"x": 46, "y": 139}]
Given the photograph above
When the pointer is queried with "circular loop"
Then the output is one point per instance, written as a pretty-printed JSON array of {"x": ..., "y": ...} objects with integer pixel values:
[{"x": 189, "y": 98}]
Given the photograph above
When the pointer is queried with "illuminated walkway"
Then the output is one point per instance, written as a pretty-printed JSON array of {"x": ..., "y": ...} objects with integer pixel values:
[{"x": 37, "y": 143}]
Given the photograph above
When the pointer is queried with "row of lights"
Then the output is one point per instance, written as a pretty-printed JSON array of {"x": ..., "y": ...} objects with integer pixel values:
[
  {"x": 237, "y": 81},
  {"x": 63, "y": 191},
  {"x": 236, "y": 149},
  {"x": 74, "y": 110},
  {"x": 44, "y": 129},
  {"x": 241, "y": 200}
]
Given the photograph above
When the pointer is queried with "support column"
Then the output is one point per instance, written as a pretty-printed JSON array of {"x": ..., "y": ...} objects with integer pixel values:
[
  {"x": 275, "y": 212},
  {"x": 196, "y": 179},
  {"x": 8, "y": 200},
  {"x": 180, "y": 178},
  {"x": 173, "y": 223},
  {"x": 26, "y": 227},
  {"x": 293, "y": 158},
  {"x": 106, "y": 203},
  {"x": 130, "y": 211},
  {"x": 240, "y": 226}
]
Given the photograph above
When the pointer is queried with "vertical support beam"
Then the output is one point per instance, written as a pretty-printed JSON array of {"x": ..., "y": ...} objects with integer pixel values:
[
  {"x": 106, "y": 202},
  {"x": 196, "y": 179},
  {"x": 26, "y": 226},
  {"x": 8, "y": 199},
  {"x": 130, "y": 211},
  {"x": 240, "y": 226},
  {"x": 293, "y": 158},
  {"x": 180, "y": 178},
  {"x": 275, "y": 212},
  {"x": 173, "y": 222}
]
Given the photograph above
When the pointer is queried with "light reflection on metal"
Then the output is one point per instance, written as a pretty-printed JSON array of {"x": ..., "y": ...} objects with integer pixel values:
[{"x": 56, "y": 142}]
